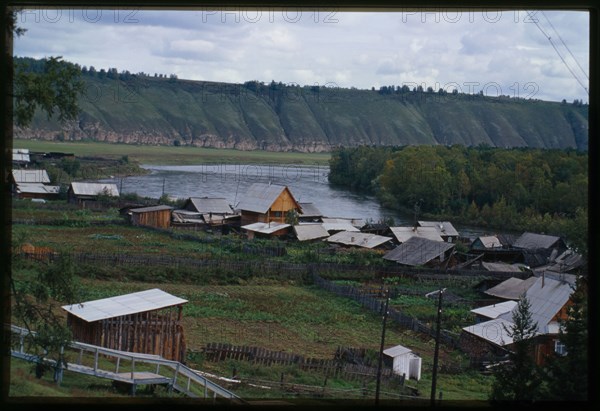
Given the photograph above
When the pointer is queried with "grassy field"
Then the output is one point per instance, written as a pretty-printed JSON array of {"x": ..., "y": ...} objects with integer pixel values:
[{"x": 171, "y": 155}]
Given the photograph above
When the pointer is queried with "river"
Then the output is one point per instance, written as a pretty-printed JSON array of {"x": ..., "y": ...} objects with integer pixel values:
[{"x": 308, "y": 184}]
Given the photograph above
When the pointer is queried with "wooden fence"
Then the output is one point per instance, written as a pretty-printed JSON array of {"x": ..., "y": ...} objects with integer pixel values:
[
  {"x": 376, "y": 305},
  {"x": 257, "y": 355}
]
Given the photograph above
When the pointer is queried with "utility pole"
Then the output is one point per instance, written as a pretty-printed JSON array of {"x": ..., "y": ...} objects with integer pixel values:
[
  {"x": 437, "y": 346},
  {"x": 380, "y": 363}
]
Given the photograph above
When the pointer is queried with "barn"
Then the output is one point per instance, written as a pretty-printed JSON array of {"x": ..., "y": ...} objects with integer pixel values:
[
  {"x": 147, "y": 322},
  {"x": 155, "y": 216},
  {"x": 404, "y": 362}
]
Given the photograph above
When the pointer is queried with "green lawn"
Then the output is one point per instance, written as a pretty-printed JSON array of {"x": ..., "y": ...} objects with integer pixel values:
[{"x": 171, "y": 155}]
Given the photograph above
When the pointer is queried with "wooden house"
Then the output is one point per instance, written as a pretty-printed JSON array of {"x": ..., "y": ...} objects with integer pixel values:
[
  {"x": 147, "y": 322},
  {"x": 264, "y": 203},
  {"x": 417, "y": 251},
  {"x": 155, "y": 216},
  {"x": 86, "y": 194},
  {"x": 549, "y": 300},
  {"x": 444, "y": 228}
]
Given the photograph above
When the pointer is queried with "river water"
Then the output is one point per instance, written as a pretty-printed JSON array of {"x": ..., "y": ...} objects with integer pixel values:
[{"x": 308, "y": 184}]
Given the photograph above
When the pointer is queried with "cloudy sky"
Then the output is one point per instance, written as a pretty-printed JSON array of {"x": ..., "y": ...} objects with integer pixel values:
[{"x": 506, "y": 52}]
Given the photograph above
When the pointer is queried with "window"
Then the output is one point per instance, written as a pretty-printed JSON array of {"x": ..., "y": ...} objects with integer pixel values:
[{"x": 560, "y": 348}]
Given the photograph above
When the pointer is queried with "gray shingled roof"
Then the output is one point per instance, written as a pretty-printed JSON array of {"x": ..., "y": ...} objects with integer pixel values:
[
  {"x": 402, "y": 234},
  {"x": 94, "y": 189},
  {"x": 310, "y": 210},
  {"x": 418, "y": 251},
  {"x": 364, "y": 240},
  {"x": 534, "y": 241},
  {"x": 511, "y": 289},
  {"x": 151, "y": 209},
  {"x": 260, "y": 197},
  {"x": 443, "y": 227},
  {"x": 149, "y": 300},
  {"x": 205, "y": 205},
  {"x": 305, "y": 232}
]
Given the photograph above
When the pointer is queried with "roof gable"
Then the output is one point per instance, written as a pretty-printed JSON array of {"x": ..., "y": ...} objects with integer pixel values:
[{"x": 260, "y": 197}]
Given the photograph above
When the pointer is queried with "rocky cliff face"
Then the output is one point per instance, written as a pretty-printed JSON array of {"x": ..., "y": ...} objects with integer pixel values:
[{"x": 161, "y": 112}]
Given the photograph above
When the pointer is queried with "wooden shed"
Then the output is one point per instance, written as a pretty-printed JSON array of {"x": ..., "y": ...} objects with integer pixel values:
[
  {"x": 264, "y": 203},
  {"x": 155, "y": 216},
  {"x": 147, "y": 322}
]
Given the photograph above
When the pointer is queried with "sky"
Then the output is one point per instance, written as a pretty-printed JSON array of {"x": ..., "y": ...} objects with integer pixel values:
[{"x": 494, "y": 52}]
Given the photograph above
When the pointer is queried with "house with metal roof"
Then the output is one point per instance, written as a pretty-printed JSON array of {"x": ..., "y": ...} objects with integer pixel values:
[
  {"x": 147, "y": 322},
  {"x": 548, "y": 299},
  {"x": 364, "y": 240},
  {"x": 267, "y": 202},
  {"x": 417, "y": 251},
  {"x": 404, "y": 361},
  {"x": 310, "y": 231},
  {"x": 402, "y": 234},
  {"x": 36, "y": 190},
  {"x": 444, "y": 228},
  {"x": 87, "y": 193}
]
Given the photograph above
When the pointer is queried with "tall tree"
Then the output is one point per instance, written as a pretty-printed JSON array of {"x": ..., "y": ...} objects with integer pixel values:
[
  {"x": 567, "y": 371},
  {"x": 519, "y": 378}
]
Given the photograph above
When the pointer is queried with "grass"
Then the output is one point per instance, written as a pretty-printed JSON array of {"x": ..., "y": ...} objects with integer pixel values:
[{"x": 171, "y": 155}]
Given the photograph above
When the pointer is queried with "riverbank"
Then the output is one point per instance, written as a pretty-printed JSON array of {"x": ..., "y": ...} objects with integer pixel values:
[{"x": 171, "y": 155}]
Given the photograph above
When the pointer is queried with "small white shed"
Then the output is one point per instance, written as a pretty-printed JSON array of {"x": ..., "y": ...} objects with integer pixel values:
[{"x": 404, "y": 362}]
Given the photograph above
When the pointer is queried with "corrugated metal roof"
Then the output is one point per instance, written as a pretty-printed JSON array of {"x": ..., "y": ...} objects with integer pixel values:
[
  {"x": 37, "y": 188},
  {"x": 567, "y": 261},
  {"x": 493, "y": 331},
  {"x": 533, "y": 241},
  {"x": 396, "y": 351},
  {"x": 443, "y": 227},
  {"x": 547, "y": 297},
  {"x": 495, "y": 310},
  {"x": 151, "y": 209},
  {"x": 511, "y": 289},
  {"x": 402, "y": 234},
  {"x": 265, "y": 228},
  {"x": 365, "y": 240},
  {"x": 94, "y": 189},
  {"x": 356, "y": 222},
  {"x": 149, "y": 300},
  {"x": 490, "y": 241},
  {"x": 418, "y": 251},
  {"x": 310, "y": 210},
  {"x": 260, "y": 197},
  {"x": 305, "y": 232},
  {"x": 30, "y": 176},
  {"x": 21, "y": 157},
  {"x": 207, "y": 205}
]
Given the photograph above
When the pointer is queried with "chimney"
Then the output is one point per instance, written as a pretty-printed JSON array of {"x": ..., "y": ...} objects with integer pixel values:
[{"x": 543, "y": 278}]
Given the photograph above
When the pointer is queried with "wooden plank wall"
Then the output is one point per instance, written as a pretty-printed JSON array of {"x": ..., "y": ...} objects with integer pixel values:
[
  {"x": 159, "y": 219},
  {"x": 152, "y": 332}
]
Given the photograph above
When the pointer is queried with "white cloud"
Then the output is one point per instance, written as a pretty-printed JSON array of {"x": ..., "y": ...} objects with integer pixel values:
[{"x": 348, "y": 49}]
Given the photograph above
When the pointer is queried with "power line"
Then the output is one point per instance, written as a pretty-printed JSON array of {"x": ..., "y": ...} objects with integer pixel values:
[
  {"x": 564, "y": 44},
  {"x": 558, "y": 52}
]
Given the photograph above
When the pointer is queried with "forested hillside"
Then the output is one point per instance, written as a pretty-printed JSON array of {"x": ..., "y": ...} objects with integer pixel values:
[
  {"x": 121, "y": 107},
  {"x": 521, "y": 189}
]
